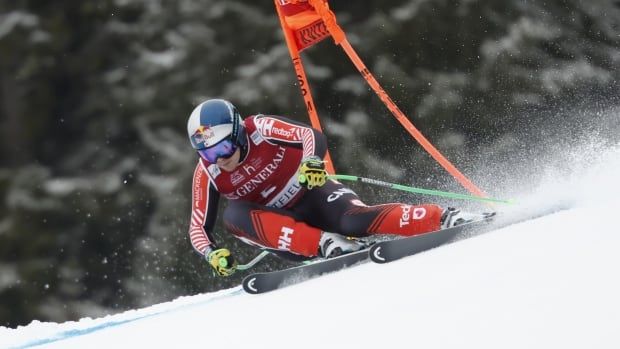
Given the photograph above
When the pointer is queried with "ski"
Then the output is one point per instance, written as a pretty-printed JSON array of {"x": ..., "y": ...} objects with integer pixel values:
[
  {"x": 265, "y": 282},
  {"x": 381, "y": 252},
  {"x": 391, "y": 250}
]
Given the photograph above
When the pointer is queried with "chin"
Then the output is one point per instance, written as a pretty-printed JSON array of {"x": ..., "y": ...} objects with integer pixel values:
[{"x": 228, "y": 167}]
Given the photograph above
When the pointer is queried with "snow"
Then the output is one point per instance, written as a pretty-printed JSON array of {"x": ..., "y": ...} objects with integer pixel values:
[
  {"x": 14, "y": 19},
  {"x": 550, "y": 282}
]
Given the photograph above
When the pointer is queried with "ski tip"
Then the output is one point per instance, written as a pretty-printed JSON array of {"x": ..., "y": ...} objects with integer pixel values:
[
  {"x": 249, "y": 285},
  {"x": 489, "y": 215},
  {"x": 376, "y": 254}
]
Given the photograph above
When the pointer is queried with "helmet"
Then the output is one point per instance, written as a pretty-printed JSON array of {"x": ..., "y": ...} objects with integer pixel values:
[{"x": 212, "y": 121}]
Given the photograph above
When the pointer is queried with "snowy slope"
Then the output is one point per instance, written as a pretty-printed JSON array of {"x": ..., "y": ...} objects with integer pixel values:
[{"x": 550, "y": 282}]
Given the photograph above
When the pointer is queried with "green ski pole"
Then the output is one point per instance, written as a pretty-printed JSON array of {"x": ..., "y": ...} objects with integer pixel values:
[
  {"x": 417, "y": 190},
  {"x": 253, "y": 262}
]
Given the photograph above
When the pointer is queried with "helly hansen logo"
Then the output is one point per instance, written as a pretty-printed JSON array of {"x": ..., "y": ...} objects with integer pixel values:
[
  {"x": 417, "y": 214},
  {"x": 274, "y": 128},
  {"x": 285, "y": 240},
  {"x": 265, "y": 125}
]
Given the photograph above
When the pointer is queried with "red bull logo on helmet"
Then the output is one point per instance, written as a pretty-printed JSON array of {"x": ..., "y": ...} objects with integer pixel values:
[{"x": 202, "y": 136}]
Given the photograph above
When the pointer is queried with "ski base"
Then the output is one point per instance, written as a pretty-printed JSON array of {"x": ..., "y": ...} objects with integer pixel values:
[{"x": 264, "y": 282}]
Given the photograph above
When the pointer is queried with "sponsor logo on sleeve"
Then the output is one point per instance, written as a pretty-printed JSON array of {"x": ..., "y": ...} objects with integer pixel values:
[
  {"x": 214, "y": 171},
  {"x": 198, "y": 192},
  {"x": 273, "y": 128},
  {"x": 256, "y": 138},
  {"x": 292, "y": 134},
  {"x": 264, "y": 125}
]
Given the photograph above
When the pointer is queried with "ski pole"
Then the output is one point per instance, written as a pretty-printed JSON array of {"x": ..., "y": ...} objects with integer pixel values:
[
  {"x": 417, "y": 190},
  {"x": 253, "y": 262}
]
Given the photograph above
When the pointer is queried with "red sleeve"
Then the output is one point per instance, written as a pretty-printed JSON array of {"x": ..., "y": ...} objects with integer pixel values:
[
  {"x": 204, "y": 209},
  {"x": 280, "y": 130}
]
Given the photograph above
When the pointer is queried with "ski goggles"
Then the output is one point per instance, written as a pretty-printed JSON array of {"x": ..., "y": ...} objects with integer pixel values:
[{"x": 223, "y": 149}]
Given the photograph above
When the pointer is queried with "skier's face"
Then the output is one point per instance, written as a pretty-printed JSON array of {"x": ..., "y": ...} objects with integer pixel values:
[{"x": 229, "y": 164}]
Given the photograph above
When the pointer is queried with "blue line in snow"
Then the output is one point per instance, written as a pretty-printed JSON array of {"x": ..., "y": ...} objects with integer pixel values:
[{"x": 81, "y": 332}]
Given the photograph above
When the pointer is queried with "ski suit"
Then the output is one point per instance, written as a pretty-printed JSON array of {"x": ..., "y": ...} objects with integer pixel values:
[{"x": 268, "y": 208}]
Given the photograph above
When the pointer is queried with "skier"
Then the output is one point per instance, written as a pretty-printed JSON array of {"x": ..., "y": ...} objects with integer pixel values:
[{"x": 271, "y": 171}]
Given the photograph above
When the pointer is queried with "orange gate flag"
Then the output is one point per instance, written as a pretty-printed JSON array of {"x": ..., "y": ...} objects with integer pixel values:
[
  {"x": 304, "y": 23},
  {"x": 302, "y": 28}
]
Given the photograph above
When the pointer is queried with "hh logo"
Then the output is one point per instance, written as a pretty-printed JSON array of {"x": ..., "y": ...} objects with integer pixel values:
[
  {"x": 265, "y": 125},
  {"x": 285, "y": 240}
]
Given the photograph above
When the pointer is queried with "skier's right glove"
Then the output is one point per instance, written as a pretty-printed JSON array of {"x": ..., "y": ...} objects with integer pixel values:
[
  {"x": 312, "y": 172},
  {"x": 221, "y": 261}
]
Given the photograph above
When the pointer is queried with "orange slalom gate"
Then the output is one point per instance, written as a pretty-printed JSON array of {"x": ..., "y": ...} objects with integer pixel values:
[
  {"x": 311, "y": 16},
  {"x": 303, "y": 29}
]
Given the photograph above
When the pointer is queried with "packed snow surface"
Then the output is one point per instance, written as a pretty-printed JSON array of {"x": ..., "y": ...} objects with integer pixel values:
[{"x": 548, "y": 282}]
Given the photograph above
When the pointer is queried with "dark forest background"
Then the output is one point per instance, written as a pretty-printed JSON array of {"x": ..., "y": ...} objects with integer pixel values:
[{"x": 95, "y": 167}]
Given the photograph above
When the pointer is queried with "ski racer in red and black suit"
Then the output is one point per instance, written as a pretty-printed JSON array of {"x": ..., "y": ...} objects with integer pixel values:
[{"x": 257, "y": 164}]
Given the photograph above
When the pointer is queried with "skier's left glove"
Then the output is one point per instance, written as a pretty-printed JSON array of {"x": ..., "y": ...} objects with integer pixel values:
[
  {"x": 221, "y": 260},
  {"x": 312, "y": 172}
]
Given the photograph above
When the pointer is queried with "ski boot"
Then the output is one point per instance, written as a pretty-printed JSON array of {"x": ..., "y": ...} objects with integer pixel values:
[
  {"x": 451, "y": 217},
  {"x": 333, "y": 245}
]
